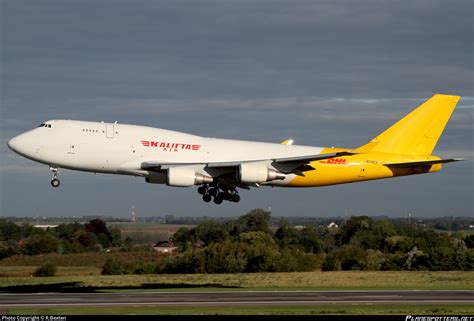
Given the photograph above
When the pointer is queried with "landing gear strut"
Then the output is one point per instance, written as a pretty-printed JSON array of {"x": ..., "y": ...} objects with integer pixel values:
[
  {"x": 55, "y": 181},
  {"x": 219, "y": 193}
]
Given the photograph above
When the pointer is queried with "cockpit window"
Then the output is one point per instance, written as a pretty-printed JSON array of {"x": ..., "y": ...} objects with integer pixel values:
[
  {"x": 42, "y": 125},
  {"x": 45, "y": 125}
]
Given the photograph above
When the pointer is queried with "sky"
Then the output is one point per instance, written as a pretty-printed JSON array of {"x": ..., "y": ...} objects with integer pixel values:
[{"x": 325, "y": 73}]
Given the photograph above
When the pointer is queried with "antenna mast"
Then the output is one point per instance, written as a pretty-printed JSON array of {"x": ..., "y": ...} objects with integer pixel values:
[{"x": 133, "y": 218}]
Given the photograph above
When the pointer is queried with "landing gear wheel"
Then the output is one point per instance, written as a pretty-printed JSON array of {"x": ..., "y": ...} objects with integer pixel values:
[
  {"x": 213, "y": 191},
  {"x": 219, "y": 198},
  {"x": 206, "y": 198},
  {"x": 236, "y": 198},
  {"x": 202, "y": 189},
  {"x": 55, "y": 182}
]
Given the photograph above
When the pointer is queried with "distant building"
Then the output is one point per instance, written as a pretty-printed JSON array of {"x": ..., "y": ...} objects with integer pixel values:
[
  {"x": 45, "y": 226},
  {"x": 164, "y": 247},
  {"x": 198, "y": 244},
  {"x": 333, "y": 225}
]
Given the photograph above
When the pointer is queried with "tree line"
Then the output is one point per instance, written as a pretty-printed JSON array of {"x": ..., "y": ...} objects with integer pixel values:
[
  {"x": 68, "y": 238},
  {"x": 251, "y": 244},
  {"x": 248, "y": 245}
]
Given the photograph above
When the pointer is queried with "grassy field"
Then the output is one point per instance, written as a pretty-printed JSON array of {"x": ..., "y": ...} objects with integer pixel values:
[
  {"x": 155, "y": 226},
  {"x": 248, "y": 281},
  {"x": 86, "y": 279},
  {"x": 253, "y": 310},
  {"x": 81, "y": 273},
  {"x": 27, "y": 271},
  {"x": 87, "y": 259},
  {"x": 148, "y": 233}
]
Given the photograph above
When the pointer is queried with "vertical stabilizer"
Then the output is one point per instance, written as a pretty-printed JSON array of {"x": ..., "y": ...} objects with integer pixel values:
[{"x": 418, "y": 132}]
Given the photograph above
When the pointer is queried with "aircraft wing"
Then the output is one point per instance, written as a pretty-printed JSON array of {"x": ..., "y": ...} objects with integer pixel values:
[
  {"x": 226, "y": 172},
  {"x": 289, "y": 162},
  {"x": 311, "y": 158}
]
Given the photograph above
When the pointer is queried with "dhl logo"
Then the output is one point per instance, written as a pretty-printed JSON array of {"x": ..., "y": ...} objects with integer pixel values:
[
  {"x": 170, "y": 147},
  {"x": 335, "y": 161}
]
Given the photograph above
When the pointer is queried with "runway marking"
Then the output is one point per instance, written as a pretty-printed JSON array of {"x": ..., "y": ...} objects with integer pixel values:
[
  {"x": 197, "y": 303},
  {"x": 417, "y": 291},
  {"x": 238, "y": 298}
]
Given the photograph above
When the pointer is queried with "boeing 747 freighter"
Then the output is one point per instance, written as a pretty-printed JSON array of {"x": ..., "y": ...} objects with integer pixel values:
[{"x": 220, "y": 166}]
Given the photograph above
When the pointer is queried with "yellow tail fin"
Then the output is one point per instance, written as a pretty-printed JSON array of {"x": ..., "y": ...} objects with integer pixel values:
[{"x": 418, "y": 132}]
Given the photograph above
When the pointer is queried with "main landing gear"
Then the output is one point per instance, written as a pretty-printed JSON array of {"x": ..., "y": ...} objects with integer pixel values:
[
  {"x": 55, "y": 181},
  {"x": 219, "y": 193}
]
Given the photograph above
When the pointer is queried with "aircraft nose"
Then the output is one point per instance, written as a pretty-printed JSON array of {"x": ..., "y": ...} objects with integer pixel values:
[
  {"x": 20, "y": 144},
  {"x": 12, "y": 143}
]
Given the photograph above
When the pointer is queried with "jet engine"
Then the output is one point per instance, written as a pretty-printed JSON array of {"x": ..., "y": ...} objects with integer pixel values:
[
  {"x": 257, "y": 173},
  {"x": 184, "y": 177},
  {"x": 156, "y": 178}
]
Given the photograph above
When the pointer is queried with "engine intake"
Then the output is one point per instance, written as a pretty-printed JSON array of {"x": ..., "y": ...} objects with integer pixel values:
[{"x": 257, "y": 173}]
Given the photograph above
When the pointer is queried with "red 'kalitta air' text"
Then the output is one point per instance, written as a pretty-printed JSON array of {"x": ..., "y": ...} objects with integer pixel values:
[{"x": 170, "y": 147}]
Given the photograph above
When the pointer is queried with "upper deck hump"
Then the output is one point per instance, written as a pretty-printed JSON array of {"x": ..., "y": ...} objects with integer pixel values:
[{"x": 146, "y": 130}]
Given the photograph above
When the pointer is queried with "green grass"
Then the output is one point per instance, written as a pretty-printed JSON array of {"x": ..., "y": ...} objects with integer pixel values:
[
  {"x": 361, "y": 280},
  {"x": 87, "y": 259},
  {"x": 253, "y": 310},
  {"x": 63, "y": 271},
  {"x": 342, "y": 280}
]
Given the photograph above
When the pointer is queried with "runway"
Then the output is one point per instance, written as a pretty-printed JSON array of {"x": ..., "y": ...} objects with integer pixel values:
[{"x": 237, "y": 298}]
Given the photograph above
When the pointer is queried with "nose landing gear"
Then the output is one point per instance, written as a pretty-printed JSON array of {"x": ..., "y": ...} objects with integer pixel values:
[
  {"x": 55, "y": 181},
  {"x": 219, "y": 193}
]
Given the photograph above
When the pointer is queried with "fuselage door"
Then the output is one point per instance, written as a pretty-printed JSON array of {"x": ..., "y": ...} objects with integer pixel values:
[{"x": 109, "y": 130}]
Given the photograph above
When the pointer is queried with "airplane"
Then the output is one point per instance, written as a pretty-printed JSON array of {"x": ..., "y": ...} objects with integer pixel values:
[{"x": 220, "y": 166}]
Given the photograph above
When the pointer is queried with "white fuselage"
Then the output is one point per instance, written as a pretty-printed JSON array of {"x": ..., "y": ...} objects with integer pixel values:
[{"x": 121, "y": 149}]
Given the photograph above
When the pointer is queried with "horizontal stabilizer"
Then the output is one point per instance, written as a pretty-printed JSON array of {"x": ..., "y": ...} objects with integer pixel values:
[{"x": 422, "y": 163}]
